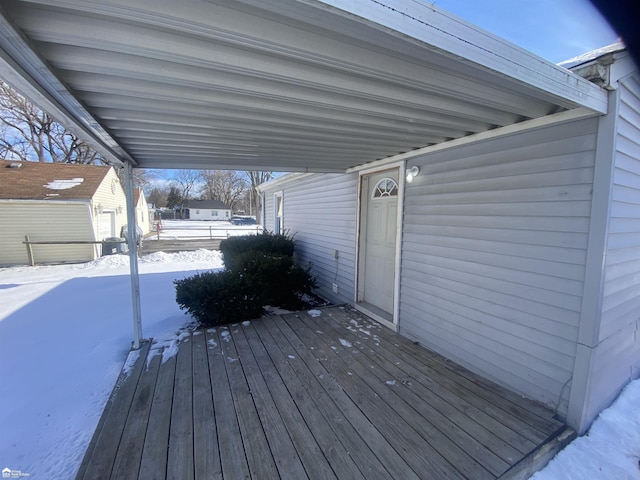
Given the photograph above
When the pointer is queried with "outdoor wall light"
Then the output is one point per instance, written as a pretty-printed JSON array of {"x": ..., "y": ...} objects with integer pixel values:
[
  {"x": 98, "y": 209},
  {"x": 119, "y": 209},
  {"x": 412, "y": 173}
]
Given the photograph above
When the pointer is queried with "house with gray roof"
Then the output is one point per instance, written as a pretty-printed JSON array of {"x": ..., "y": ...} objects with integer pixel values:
[{"x": 207, "y": 210}]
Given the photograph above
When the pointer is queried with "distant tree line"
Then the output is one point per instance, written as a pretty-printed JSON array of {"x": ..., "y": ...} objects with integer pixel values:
[{"x": 236, "y": 189}]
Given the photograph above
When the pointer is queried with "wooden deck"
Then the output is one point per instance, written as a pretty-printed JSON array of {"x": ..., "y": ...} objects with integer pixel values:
[{"x": 295, "y": 397}]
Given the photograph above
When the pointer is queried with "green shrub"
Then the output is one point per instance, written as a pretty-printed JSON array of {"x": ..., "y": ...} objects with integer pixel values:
[
  {"x": 218, "y": 298},
  {"x": 267, "y": 243},
  {"x": 260, "y": 270},
  {"x": 281, "y": 281}
]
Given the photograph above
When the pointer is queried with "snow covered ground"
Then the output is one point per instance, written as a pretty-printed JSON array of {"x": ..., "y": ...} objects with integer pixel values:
[
  {"x": 65, "y": 332},
  {"x": 181, "y": 229}
]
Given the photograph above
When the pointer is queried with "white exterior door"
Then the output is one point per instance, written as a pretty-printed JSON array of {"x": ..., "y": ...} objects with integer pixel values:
[
  {"x": 106, "y": 225},
  {"x": 378, "y": 233}
]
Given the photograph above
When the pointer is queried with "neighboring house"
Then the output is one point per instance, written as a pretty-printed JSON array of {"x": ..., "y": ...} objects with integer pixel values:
[
  {"x": 207, "y": 210},
  {"x": 143, "y": 214},
  {"x": 58, "y": 202},
  {"x": 514, "y": 252}
]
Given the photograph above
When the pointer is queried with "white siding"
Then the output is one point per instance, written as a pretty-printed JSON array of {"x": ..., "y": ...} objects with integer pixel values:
[
  {"x": 321, "y": 211},
  {"x": 44, "y": 221},
  {"x": 493, "y": 255},
  {"x": 110, "y": 201},
  {"x": 268, "y": 222},
  {"x": 209, "y": 214},
  {"x": 143, "y": 215},
  {"x": 617, "y": 356}
]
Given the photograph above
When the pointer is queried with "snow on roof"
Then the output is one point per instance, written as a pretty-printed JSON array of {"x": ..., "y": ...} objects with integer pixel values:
[
  {"x": 593, "y": 55},
  {"x": 64, "y": 184}
]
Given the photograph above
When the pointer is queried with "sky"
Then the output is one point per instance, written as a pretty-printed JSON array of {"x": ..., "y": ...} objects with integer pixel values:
[
  {"x": 555, "y": 30},
  {"x": 65, "y": 333}
]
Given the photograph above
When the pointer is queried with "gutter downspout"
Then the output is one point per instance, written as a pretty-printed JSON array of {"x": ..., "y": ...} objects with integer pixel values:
[{"x": 133, "y": 256}]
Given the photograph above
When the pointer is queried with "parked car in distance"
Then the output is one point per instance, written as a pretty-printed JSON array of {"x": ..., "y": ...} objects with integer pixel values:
[{"x": 236, "y": 220}]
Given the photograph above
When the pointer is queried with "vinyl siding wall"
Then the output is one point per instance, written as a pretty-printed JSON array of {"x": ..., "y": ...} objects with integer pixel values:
[
  {"x": 321, "y": 211},
  {"x": 493, "y": 255},
  {"x": 143, "y": 215},
  {"x": 110, "y": 202},
  {"x": 617, "y": 356},
  {"x": 44, "y": 221},
  {"x": 209, "y": 214}
]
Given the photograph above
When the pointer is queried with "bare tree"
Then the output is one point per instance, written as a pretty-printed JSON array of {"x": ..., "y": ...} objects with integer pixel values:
[
  {"x": 257, "y": 178},
  {"x": 158, "y": 196},
  {"x": 28, "y": 133},
  {"x": 227, "y": 186},
  {"x": 184, "y": 181}
]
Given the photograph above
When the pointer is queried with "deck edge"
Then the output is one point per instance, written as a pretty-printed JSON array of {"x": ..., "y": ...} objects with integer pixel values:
[
  {"x": 538, "y": 458},
  {"x": 122, "y": 376}
]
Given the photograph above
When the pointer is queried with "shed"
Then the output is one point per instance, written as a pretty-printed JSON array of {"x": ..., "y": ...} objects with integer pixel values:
[
  {"x": 207, "y": 210},
  {"x": 57, "y": 202}
]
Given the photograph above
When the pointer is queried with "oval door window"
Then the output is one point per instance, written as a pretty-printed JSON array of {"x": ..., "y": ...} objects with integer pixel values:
[{"x": 387, "y": 187}]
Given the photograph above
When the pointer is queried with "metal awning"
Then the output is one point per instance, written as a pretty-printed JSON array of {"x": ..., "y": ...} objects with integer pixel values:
[{"x": 287, "y": 85}]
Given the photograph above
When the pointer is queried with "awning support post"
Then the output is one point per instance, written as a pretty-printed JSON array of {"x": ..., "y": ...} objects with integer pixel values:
[{"x": 133, "y": 255}]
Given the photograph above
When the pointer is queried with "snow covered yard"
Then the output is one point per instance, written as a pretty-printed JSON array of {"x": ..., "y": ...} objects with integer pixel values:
[
  {"x": 182, "y": 229},
  {"x": 65, "y": 332}
]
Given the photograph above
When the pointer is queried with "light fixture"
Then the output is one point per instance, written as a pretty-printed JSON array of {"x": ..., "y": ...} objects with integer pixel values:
[
  {"x": 98, "y": 209},
  {"x": 119, "y": 209},
  {"x": 412, "y": 173}
]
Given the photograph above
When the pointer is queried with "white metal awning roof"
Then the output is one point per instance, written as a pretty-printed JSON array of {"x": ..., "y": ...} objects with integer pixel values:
[{"x": 288, "y": 85}]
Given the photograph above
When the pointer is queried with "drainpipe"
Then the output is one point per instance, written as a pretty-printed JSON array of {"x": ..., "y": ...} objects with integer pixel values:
[{"x": 133, "y": 256}]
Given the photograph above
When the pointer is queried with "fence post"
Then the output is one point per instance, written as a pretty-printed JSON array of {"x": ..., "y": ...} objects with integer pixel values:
[{"x": 27, "y": 241}]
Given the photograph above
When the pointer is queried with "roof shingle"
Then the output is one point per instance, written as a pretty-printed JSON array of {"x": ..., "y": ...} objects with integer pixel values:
[{"x": 49, "y": 181}]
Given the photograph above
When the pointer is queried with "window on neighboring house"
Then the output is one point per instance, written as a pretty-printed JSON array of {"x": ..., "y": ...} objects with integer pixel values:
[
  {"x": 214, "y": 213},
  {"x": 387, "y": 187},
  {"x": 197, "y": 212},
  {"x": 226, "y": 213},
  {"x": 279, "y": 211}
]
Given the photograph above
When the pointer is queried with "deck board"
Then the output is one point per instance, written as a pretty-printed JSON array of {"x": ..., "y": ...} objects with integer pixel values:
[
  {"x": 100, "y": 456},
  {"x": 259, "y": 457},
  {"x": 369, "y": 449},
  {"x": 336, "y": 457},
  {"x": 232, "y": 454},
  {"x": 154, "y": 453},
  {"x": 451, "y": 441},
  {"x": 180, "y": 454},
  {"x": 206, "y": 454},
  {"x": 294, "y": 396},
  {"x": 129, "y": 454}
]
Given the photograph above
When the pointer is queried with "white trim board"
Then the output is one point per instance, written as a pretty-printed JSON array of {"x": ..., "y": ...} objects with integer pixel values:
[{"x": 556, "y": 118}]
